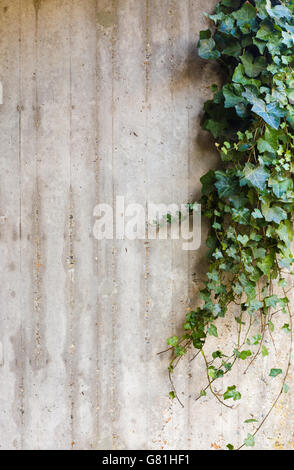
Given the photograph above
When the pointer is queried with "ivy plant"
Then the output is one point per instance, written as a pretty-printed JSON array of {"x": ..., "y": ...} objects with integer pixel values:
[{"x": 249, "y": 200}]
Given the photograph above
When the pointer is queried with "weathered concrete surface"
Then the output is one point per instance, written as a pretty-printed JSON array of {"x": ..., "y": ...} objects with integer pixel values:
[{"x": 103, "y": 99}]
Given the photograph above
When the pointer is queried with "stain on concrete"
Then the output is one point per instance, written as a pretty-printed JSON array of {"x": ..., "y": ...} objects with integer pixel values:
[
  {"x": 11, "y": 267},
  {"x": 37, "y": 6},
  {"x": 72, "y": 307},
  {"x": 17, "y": 366},
  {"x": 106, "y": 18},
  {"x": 38, "y": 354},
  {"x": 1, "y": 354},
  {"x": 147, "y": 50}
]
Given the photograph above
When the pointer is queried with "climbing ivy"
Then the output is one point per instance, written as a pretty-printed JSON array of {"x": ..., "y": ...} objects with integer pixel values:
[{"x": 250, "y": 199}]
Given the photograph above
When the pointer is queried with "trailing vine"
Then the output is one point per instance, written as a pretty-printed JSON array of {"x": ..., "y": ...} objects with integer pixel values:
[{"x": 250, "y": 200}]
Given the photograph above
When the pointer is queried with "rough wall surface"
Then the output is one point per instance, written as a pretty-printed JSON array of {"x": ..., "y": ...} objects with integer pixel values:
[{"x": 103, "y": 99}]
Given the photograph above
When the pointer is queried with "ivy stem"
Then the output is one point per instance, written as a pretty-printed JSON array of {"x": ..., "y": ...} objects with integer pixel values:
[
  {"x": 285, "y": 375},
  {"x": 209, "y": 383}
]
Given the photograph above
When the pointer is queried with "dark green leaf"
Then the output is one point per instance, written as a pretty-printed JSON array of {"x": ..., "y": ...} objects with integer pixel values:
[{"x": 275, "y": 372}]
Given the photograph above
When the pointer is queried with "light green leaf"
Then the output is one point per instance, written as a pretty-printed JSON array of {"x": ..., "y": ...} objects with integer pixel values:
[
  {"x": 285, "y": 388},
  {"x": 255, "y": 176},
  {"x": 243, "y": 239},
  {"x": 280, "y": 185},
  {"x": 243, "y": 354},
  {"x": 282, "y": 282},
  {"x": 271, "y": 301},
  {"x": 173, "y": 341},
  {"x": 249, "y": 441},
  {"x": 212, "y": 331},
  {"x": 266, "y": 264},
  {"x": 256, "y": 214},
  {"x": 273, "y": 214},
  {"x": 232, "y": 393},
  {"x": 285, "y": 232},
  {"x": 258, "y": 252}
]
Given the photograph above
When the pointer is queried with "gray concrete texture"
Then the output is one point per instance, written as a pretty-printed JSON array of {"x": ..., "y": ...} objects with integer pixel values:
[{"x": 103, "y": 98}]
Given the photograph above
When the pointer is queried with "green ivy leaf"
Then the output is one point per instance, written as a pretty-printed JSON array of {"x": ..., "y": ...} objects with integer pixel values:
[
  {"x": 286, "y": 328},
  {"x": 275, "y": 372},
  {"x": 173, "y": 341},
  {"x": 253, "y": 67},
  {"x": 232, "y": 393},
  {"x": 273, "y": 214},
  {"x": 243, "y": 239},
  {"x": 266, "y": 264},
  {"x": 256, "y": 214},
  {"x": 258, "y": 252},
  {"x": 240, "y": 77},
  {"x": 242, "y": 355},
  {"x": 245, "y": 15},
  {"x": 233, "y": 95},
  {"x": 212, "y": 331},
  {"x": 271, "y": 326},
  {"x": 279, "y": 11},
  {"x": 207, "y": 182},
  {"x": 282, "y": 282},
  {"x": 225, "y": 185},
  {"x": 256, "y": 176},
  {"x": 280, "y": 185},
  {"x": 207, "y": 50},
  {"x": 271, "y": 301},
  {"x": 285, "y": 232},
  {"x": 249, "y": 441}
]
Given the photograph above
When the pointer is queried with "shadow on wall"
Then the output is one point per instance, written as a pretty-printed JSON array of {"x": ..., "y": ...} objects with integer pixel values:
[{"x": 193, "y": 72}]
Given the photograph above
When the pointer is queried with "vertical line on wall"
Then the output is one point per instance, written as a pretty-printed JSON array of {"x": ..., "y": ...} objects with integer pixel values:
[
  {"x": 147, "y": 51},
  {"x": 173, "y": 11},
  {"x": 171, "y": 14},
  {"x": 146, "y": 243},
  {"x": 37, "y": 261},
  {"x": 20, "y": 108},
  {"x": 71, "y": 256},
  {"x": 114, "y": 306},
  {"x": 190, "y": 266},
  {"x": 97, "y": 327}
]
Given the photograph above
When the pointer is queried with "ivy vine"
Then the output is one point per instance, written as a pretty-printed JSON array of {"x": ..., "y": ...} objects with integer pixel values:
[{"x": 250, "y": 200}]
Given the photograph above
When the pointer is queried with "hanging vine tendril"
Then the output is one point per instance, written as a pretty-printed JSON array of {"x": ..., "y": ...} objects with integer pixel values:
[{"x": 250, "y": 201}]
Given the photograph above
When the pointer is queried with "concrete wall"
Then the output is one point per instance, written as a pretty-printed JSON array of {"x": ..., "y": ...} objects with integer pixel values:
[{"x": 103, "y": 99}]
